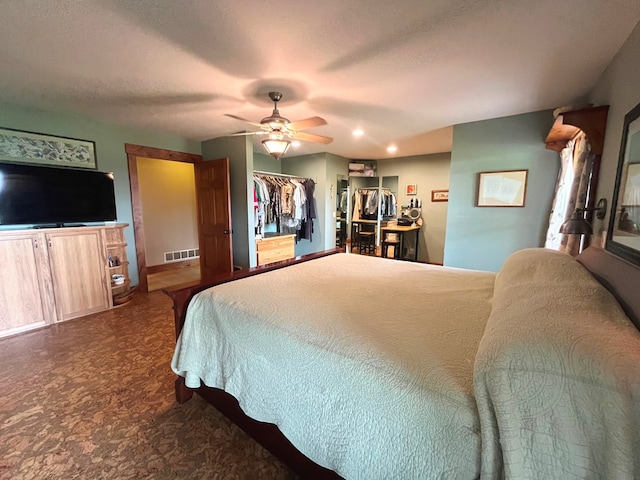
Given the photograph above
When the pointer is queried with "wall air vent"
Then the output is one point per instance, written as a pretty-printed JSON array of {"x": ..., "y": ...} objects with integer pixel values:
[{"x": 181, "y": 255}]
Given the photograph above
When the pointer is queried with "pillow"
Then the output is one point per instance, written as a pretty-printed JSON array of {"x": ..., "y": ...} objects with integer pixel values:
[{"x": 557, "y": 375}]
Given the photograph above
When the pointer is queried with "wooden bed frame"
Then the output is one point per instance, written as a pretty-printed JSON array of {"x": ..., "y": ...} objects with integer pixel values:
[
  {"x": 618, "y": 276},
  {"x": 266, "y": 434}
]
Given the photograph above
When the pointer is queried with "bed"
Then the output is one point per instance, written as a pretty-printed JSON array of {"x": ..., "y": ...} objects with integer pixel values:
[{"x": 359, "y": 367}]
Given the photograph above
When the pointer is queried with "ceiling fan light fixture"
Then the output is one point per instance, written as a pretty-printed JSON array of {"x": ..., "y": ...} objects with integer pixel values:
[
  {"x": 276, "y": 147},
  {"x": 278, "y": 128},
  {"x": 275, "y": 122}
]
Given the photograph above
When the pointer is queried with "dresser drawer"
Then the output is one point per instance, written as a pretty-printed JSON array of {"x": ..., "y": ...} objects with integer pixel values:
[{"x": 275, "y": 249}]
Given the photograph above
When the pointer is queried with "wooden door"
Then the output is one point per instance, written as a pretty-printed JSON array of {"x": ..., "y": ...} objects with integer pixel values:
[
  {"x": 25, "y": 296},
  {"x": 214, "y": 217},
  {"x": 78, "y": 267}
]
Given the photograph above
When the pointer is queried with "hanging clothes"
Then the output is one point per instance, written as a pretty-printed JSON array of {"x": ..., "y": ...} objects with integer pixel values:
[
  {"x": 366, "y": 201},
  {"x": 261, "y": 201},
  {"x": 306, "y": 230},
  {"x": 286, "y": 202},
  {"x": 342, "y": 203}
]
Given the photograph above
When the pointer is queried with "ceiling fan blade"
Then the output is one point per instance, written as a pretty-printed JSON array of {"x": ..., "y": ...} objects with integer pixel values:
[
  {"x": 312, "y": 137},
  {"x": 238, "y": 134},
  {"x": 307, "y": 123},
  {"x": 242, "y": 119}
]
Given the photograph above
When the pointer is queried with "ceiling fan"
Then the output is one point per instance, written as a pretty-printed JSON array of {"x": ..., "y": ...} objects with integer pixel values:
[{"x": 280, "y": 129}]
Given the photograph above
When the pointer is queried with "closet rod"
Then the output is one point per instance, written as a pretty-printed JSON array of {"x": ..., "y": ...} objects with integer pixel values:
[{"x": 284, "y": 175}]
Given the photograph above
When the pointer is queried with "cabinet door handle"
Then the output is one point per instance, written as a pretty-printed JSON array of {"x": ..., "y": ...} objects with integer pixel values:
[{"x": 227, "y": 232}]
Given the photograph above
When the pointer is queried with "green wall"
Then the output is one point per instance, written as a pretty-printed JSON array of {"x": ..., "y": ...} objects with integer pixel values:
[
  {"x": 336, "y": 165},
  {"x": 266, "y": 163},
  {"x": 110, "y": 140},
  {"x": 239, "y": 150},
  {"x": 482, "y": 238},
  {"x": 311, "y": 166}
]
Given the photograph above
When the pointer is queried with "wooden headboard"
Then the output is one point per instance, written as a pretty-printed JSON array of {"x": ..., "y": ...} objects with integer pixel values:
[{"x": 618, "y": 276}]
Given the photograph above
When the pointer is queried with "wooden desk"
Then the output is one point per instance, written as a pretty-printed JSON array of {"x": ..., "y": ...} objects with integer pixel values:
[{"x": 401, "y": 230}]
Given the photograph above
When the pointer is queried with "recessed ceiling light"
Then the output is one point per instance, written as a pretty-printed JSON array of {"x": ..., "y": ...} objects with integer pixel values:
[
  {"x": 295, "y": 144},
  {"x": 358, "y": 132},
  {"x": 392, "y": 149}
]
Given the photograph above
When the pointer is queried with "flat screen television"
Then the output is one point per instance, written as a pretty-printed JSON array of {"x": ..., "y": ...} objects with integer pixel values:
[{"x": 43, "y": 195}]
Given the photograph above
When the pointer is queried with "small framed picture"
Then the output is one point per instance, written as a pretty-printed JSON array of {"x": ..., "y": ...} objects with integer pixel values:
[
  {"x": 412, "y": 189},
  {"x": 439, "y": 195},
  {"x": 507, "y": 188}
]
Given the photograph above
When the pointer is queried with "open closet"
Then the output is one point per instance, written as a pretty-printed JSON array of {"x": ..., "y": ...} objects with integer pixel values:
[
  {"x": 367, "y": 211},
  {"x": 284, "y": 211}
]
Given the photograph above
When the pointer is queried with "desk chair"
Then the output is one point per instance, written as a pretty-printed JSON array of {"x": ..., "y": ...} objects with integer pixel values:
[
  {"x": 390, "y": 239},
  {"x": 366, "y": 238}
]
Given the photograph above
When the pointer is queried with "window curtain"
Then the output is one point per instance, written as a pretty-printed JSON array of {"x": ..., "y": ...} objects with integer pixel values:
[{"x": 572, "y": 191}]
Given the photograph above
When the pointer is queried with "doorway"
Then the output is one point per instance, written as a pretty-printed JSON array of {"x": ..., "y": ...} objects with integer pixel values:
[{"x": 164, "y": 276}]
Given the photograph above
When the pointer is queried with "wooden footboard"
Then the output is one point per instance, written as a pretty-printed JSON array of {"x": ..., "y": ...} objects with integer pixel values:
[
  {"x": 182, "y": 294},
  {"x": 266, "y": 434}
]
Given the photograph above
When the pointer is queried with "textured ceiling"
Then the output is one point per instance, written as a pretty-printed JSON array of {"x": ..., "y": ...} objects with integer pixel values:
[{"x": 403, "y": 71}]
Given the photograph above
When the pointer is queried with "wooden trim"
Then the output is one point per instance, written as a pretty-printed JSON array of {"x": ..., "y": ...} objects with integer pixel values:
[
  {"x": 161, "y": 154},
  {"x": 592, "y": 121},
  {"x": 133, "y": 152},
  {"x": 138, "y": 229},
  {"x": 165, "y": 267},
  {"x": 268, "y": 435}
]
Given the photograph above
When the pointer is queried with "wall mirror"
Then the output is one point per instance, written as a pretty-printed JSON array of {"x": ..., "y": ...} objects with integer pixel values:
[{"x": 623, "y": 235}]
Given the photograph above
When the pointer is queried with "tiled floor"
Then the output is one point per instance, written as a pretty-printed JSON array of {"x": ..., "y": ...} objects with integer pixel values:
[
  {"x": 169, "y": 278},
  {"x": 92, "y": 398}
]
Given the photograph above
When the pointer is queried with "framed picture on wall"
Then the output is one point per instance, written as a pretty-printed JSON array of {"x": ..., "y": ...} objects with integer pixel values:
[
  {"x": 507, "y": 188},
  {"x": 29, "y": 147},
  {"x": 439, "y": 195},
  {"x": 412, "y": 189}
]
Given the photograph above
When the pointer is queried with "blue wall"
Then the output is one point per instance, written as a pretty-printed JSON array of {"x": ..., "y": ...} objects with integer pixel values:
[
  {"x": 110, "y": 140},
  {"x": 482, "y": 238}
]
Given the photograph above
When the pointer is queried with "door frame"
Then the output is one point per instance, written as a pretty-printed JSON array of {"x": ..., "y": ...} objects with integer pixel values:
[{"x": 133, "y": 152}]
